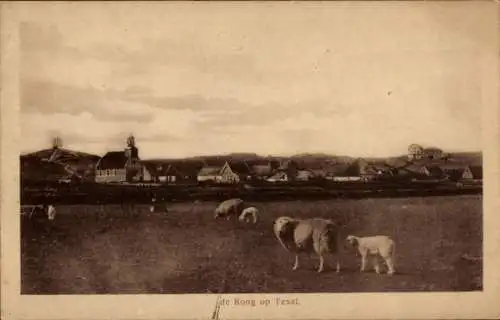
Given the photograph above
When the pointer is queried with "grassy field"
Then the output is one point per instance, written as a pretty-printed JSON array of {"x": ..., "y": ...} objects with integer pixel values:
[{"x": 92, "y": 249}]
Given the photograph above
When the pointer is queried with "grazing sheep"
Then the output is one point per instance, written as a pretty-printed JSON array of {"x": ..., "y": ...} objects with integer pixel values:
[
  {"x": 250, "y": 212},
  {"x": 152, "y": 206},
  {"x": 156, "y": 206},
  {"x": 306, "y": 236},
  {"x": 51, "y": 212},
  {"x": 375, "y": 246},
  {"x": 228, "y": 208},
  {"x": 39, "y": 212}
]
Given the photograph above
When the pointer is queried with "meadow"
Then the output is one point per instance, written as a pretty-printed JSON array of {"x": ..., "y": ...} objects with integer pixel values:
[{"x": 100, "y": 249}]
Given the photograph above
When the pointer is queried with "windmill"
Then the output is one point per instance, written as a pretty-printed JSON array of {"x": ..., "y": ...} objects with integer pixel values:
[{"x": 56, "y": 157}]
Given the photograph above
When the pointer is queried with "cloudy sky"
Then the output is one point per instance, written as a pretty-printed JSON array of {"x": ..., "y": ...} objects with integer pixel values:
[{"x": 282, "y": 78}]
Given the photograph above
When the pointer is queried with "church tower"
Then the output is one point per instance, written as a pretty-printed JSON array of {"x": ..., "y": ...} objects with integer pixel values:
[{"x": 131, "y": 152}]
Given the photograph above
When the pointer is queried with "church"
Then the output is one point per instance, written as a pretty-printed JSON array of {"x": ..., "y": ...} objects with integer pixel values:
[{"x": 121, "y": 166}]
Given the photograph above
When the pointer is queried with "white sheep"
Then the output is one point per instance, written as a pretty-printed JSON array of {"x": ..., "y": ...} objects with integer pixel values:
[
  {"x": 39, "y": 211},
  {"x": 51, "y": 212},
  {"x": 250, "y": 212},
  {"x": 229, "y": 208},
  {"x": 306, "y": 236},
  {"x": 374, "y": 247},
  {"x": 152, "y": 206}
]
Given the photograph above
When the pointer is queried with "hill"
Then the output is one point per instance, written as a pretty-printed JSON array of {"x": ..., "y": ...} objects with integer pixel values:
[{"x": 57, "y": 164}]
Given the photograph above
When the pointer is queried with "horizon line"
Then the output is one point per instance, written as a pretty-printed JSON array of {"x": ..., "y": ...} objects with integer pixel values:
[{"x": 258, "y": 154}]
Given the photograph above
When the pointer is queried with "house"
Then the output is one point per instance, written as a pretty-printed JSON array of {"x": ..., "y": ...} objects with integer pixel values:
[
  {"x": 173, "y": 172},
  {"x": 262, "y": 169},
  {"x": 415, "y": 152},
  {"x": 304, "y": 175},
  {"x": 185, "y": 171},
  {"x": 279, "y": 176},
  {"x": 431, "y": 171},
  {"x": 359, "y": 170},
  {"x": 290, "y": 166},
  {"x": 235, "y": 172},
  {"x": 147, "y": 175},
  {"x": 120, "y": 166},
  {"x": 335, "y": 170},
  {"x": 318, "y": 173},
  {"x": 377, "y": 171},
  {"x": 209, "y": 173},
  {"x": 433, "y": 153},
  {"x": 112, "y": 168},
  {"x": 457, "y": 172},
  {"x": 476, "y": 173},
  {"x": 287, "y": 170},
  {"x": 228, "y": 173},
  {"x": 345, "y": 172}
]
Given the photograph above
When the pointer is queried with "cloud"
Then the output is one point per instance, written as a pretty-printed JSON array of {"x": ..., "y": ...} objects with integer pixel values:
[
  {"x": 49, "y": 97},
  {"x": 178, "y": 125},
  {"x": 251, "y": 86}
]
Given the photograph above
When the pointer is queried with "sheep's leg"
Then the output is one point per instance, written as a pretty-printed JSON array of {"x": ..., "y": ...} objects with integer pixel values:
[
  {"x": 376, "y": 265},
  {"x": 296, "y": 265},
  {"x": 321, "y": 263},
  {"x": 338, "y": 264},
  {"x": 363, "y": 262},
  {"x": 390, "y": 266}
]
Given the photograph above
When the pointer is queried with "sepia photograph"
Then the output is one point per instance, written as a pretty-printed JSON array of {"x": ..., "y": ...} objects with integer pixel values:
[{"x": 257, "y": 150}]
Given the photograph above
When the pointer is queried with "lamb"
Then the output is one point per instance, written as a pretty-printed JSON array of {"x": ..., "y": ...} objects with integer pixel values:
[
  {"x": 51, "y": 212},
  {"x": 229, "y": 208},
  {"x": 375, "y": 246},
  {"x": 249, "y": 212},
  {"x": 306, "y": 236}
]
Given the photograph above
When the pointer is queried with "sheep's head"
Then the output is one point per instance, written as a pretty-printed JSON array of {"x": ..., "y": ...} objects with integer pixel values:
[
  {"x": 217, "y": 213},
  {"x": 283, "y": 225},
  {"x": 352, "y": 240},
  {"x": 244, "y": 217}
]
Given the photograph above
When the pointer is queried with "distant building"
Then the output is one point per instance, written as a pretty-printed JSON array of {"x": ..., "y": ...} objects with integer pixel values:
[
  {"x": 452, "y": 171},
  {"x": 287, "y": 170},
  {"x": 304, "y": 175},
  {"x": 173, "y": 172},
  {"x": 476, "y": 173},
  {"x": 415, "y": 152},
  {"x": 209, "y": 173},
  {"x": 262, "y": 169},
  {"x": 360, "y": 170},
  {"x": 228, "y": 173},
  {"x": 433, "y": 153},
  {"x": 457, "y": 172},
  {"x": 433, "y": 172},
  {"x": 121, "y": 166},
  {"x": 279, "y": 176}
]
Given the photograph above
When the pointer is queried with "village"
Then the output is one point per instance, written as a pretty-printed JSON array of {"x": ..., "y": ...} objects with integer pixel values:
[{"x": 57, "y": 164}]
